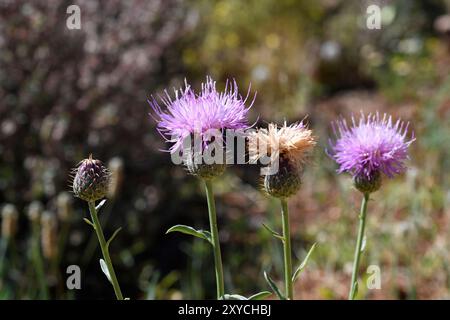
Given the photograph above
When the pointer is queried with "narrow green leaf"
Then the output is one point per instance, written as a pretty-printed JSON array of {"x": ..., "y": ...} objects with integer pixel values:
[
  {"x": 89, "y": 222},
  {"x": 202, "y": 234},
  {"x": 100, "y": 205},
  {"x": 260, "y": 295},
  {"x": 303, "y": 264},
  {"x": 113, "y": 236},
  {"x": 273, "y": 286},
  {"x": 233, "y": 297},
  {"x": 273, "y": 232},
  {"x": 363, "y": 244},
  {"x": 105, "y": 269}
]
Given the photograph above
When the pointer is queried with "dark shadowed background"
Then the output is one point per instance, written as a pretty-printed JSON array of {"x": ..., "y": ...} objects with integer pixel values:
[{"x": 67, "y": 93}]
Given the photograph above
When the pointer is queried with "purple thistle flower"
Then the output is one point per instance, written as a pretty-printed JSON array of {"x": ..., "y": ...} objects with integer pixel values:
[
  {"x": 195, "y": 114},
  {"x": 372, "y": 146}
]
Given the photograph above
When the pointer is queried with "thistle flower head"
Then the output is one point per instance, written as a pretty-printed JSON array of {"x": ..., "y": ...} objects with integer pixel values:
[
  {"x": 371, "y": 146},
  {"x": 195, "y": 114},
  {"x": 290, "y": 146},
  {"x": 91, "y": 181},
  {"x": 201, "y": 116}
]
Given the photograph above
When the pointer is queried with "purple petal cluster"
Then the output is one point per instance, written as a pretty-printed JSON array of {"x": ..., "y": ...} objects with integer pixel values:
[
  {"x": 190, "y": 113},
  {"x": 374, "y": 144}
]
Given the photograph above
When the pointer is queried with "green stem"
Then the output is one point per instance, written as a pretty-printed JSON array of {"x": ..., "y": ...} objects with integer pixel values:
[
  {"x": 215, "y": 239},
  {"x": 105, "y": 251},
  {"x": 287, "y": 250},
  {"x": 92, "y": 244},
  {"x": 359, "y": 242}
]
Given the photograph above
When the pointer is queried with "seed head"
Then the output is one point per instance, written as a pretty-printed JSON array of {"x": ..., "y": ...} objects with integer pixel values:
[{"x": 92, "y": 180}]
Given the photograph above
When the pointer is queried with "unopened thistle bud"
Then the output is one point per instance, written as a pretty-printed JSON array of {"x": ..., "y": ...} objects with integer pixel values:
[
  {"x": 290, "y": 147},
  {"x": 367, "y": 184},
  {"x": 92, "y": 180},
  {"x": 9, "y": 221},
  {"x": 64, "y": 206},
  {"x": 49, "y": 235}
]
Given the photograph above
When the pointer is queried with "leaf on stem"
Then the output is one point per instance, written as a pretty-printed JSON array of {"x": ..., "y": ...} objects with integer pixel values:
[
  {"x": 105, "y": 269},
  {"x": 303, "y": 264},
  {"x": 363, "y": 244},
  {"x": 274, "y": 287},
  {"x": 112, "y": 237},
  {"x": 202, "y": 234},
  {"x": 100, "y": 205},
  {"x": 273, "y": 232},
  {"x": 232, "y": 297},
  {"x": 89, "y": 222},
  {"x": 260, "y": 295}
]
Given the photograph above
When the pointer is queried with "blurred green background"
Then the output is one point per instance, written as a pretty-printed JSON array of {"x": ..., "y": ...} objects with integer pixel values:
[{"x": 67, "y": 93}]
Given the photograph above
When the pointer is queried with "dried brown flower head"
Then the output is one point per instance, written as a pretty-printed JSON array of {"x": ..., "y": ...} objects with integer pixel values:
[{"x": 290, "y": 147}]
